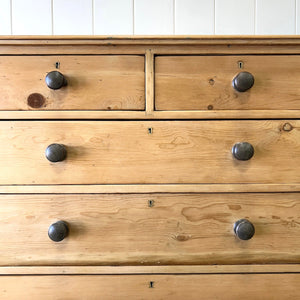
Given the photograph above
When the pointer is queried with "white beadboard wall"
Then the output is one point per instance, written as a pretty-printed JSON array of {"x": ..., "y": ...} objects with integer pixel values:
[{"x": 149, "y": 17}]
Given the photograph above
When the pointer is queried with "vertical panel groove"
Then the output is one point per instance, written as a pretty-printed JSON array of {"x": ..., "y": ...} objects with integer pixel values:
[
  {"x": 52, "y": 31},
  {"x": 214, "y": 16},
  {"x": 133, "y": 16},
  {"x": 174, "y": 22},
  {"x": 255, "y": 17},
  {"x": 93, "y": 17},
  {"x": 11, "y": 28},
  {"x": 296, "y": 19}
]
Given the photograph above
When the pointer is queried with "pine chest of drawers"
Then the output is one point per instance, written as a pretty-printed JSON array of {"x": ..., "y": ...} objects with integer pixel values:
[{"x": 150, "y": 168}]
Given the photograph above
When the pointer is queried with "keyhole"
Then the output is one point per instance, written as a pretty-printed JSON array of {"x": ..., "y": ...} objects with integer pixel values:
[
  {"x": 151, "y": 284},
  {"x": 57, "y": 65},
  {"x": 150, "y": 130},
  {"x": 240, "y": 64},
  {"x": 151, "y": 203}
]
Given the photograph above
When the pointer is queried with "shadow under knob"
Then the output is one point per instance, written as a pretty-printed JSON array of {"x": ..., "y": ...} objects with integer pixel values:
[
  {"x": 243, "y": 81},
  {"x": 244, "y": 229},
  {"x": 55, "y": 80},
  {"x": 58, "y": 231},
  {"x": 56, "y": 152},
  {"x": 243, "y": 151}
]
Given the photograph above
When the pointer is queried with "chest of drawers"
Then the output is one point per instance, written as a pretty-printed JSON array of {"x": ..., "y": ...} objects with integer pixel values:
[{"x": 149, "y": 168}]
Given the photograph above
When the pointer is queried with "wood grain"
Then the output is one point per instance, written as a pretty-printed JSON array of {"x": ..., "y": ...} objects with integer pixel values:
[
  {"x": 94, "y": 82},
  {"x": 149, "y": 70},
  {"x": 124, "y": 89},
  {"x": 231, "y": 287},
  {"x": 118, "y": 243},
  {"x": 179, "y": 152},
  {"x": 139, "y": 48},
  {"x": 138, "y": 44},
  {"x": 205, "y": 82},
  {"x": 169, "y": 269},
  {"x": 143, "y": 115},
  {"x": 124, "y": 230},
  {"x": 148, "y": 188}
]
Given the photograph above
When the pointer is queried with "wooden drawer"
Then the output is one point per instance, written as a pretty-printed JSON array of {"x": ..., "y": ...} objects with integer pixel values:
[
  {"x": 209, "y": 286},
  {"x": 172, "y": 229},
  {"x": 205, "y": 82},
  {"x": 138, "y": 152},
  {"x": 99, "y": 82}
]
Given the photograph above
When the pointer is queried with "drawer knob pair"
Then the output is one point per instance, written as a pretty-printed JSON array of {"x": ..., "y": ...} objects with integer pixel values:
[
  {"x": 243, "y": 229},
  {"x": 58, "y": 231},
  {"x": 58, "y": 152},
  {"x": 55, "y": 80},
  {"x": 243, "y": 81}
]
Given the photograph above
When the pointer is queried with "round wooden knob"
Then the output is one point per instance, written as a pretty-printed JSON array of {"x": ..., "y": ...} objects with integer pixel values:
[
  {"x": 243, "y": 151},
  {"x": 56, "y": 152},
  {"x": 243, "y": 81},
  {"x": 55, "y": 80},
  {"x": 244, "y": 229},
  {"x": 58, "y": 231}
]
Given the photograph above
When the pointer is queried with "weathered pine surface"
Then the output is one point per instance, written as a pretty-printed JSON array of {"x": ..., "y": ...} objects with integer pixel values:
[
  {"x": 127, "y": 229},
  {"x": 99, "y": 82},
  {"x": 158, "y": 287},
  {"x": 135, "y": 152},
  {"x": 205, "y": 82}
]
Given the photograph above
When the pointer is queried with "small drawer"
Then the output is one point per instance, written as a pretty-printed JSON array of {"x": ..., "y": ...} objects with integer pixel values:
[
  {"x": 149, "y": 229},
  {"x": 225, "y": 82},
  {"x": 157, "y": 152},
  {"x": 175, "y": 287},
  {"x": 99, "y": 82}
]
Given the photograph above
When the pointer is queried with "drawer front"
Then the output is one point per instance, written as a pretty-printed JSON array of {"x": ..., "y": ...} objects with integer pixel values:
[
  {"x": 212, "y": 286},
  {"x": 205, "y": 82},
  {"x": 107, "y": 82},
  {"x": 138, "y": 152},
  {"x": 149, "y": 229}
]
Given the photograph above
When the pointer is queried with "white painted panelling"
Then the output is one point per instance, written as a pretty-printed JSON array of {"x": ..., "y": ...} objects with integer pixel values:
[
  {"x": 5, "y": 21},
  {"x": 235, "y": 16},
  {"x": 31, "y": 17},
  {"x": 153, "y": 17},
  {"x": 74, "y": 17},
  {"x": 149, "y": 17},
  {"x": 113, "y": 17},
  {"x": 275, "y": 17},
  {"x": 194, "y": 16}
]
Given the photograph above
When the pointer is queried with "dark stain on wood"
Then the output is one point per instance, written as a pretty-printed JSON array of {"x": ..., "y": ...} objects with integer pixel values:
[{"x": 36, "y": 100}]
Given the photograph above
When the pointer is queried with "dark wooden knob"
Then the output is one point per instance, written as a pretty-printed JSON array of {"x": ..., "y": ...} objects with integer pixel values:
[
  {"x": 56, "y": 152},
  {"x": 244, "y": 229},
  {"x": 243, "y": 151},
  {"x": 55, "y": 80},
  {"x": 243, "y": 81},
  {"x": 58, "y": 231}
]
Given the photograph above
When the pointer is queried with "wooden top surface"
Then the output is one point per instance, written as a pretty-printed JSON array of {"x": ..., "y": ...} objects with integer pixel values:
[{"x": 148, "y": 39}]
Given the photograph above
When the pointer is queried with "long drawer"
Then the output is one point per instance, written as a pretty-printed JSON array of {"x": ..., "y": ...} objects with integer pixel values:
[
  {"x": 207, "y": 82},
  {"x": 148, "y": 229},
  {"x": 97, "y": 82},
  {"x": 159, "y": 287},
  {"x": 138, "y": 152}
]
